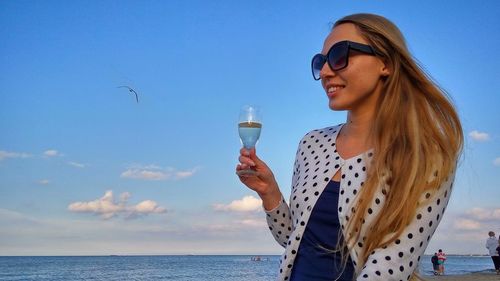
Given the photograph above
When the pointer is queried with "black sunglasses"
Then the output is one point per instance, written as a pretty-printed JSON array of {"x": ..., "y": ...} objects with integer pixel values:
[{"x": 338, "y": 56}]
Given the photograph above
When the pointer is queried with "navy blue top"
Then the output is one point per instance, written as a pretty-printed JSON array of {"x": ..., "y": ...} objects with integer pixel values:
[{"x": 315, "y": 259}]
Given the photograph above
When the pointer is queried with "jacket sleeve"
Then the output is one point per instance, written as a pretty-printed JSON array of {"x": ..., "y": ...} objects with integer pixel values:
[
  {"x": 279, "y": 219},
  {"x": 280, "y": 222},
  {"x": 399, "y": 260}
]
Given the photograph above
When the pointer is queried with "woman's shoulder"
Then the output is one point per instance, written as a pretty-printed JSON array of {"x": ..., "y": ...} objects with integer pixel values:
[
  {"x": 318, "y": 137},
  {"x": 325, "y": 132}
]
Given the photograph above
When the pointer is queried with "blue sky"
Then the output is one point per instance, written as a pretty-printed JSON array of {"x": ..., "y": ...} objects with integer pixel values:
[{"x": 86, "y": 170}]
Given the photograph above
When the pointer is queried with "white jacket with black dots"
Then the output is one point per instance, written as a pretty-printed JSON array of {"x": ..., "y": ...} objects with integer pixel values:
[{"x": 317, "y": 160}]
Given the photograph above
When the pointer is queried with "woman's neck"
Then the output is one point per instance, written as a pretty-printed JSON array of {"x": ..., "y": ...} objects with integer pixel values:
[
  {"x": 354, "y": 137},
  {"x": 358, "y": 127}
]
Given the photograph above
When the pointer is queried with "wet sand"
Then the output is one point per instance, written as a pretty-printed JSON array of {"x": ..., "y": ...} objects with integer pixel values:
[{"x": 481, "y": 276}]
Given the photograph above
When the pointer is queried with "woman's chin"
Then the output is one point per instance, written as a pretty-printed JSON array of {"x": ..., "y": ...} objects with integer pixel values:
[{"x": 336, "y": 106}]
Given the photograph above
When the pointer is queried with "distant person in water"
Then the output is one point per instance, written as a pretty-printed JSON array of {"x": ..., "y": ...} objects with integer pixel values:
[
  {"x": 435, "y": 264},
  {"x": 441, "y": 258},
  {"x": 492, "y": 246}
]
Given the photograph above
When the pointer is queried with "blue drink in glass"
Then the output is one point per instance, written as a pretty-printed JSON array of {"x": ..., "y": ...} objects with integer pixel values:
[
  {"x": 249, "y": 133},
  {"x": 249, "y": 127}
]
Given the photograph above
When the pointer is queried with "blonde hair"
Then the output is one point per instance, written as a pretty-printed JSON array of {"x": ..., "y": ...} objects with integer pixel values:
[{"x": 416, "y": 136}]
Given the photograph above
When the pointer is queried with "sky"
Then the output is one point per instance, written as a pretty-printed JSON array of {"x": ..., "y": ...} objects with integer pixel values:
[{"x": 86, "y": 170}]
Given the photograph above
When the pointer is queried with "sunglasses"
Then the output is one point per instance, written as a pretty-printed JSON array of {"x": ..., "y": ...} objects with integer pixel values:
[{"x": 338, "y": 56}]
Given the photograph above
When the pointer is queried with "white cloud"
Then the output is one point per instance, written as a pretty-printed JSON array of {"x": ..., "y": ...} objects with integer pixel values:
[
  {"x": 483, "y": 214},
  {"x": 496, "y": 162},
  {"x": 76, "y": 164},
  {"x": 246, "y": 204},
  {"x": 479, "y": 136},
  {"x": 147, "y": 207},
  {"x": 125, "y": 196},
  {"x": 149, "y": 167},
  {"x": 475, "y": 221},
  {"x": 7, "y": 154},
  {"x": 254, "y": 223},
  {"x": 464, "y": 232},
  {"x": 25, "y": 234},
  {"x": 144, "y": 174},
  {"x": 153, "y": 172},
  {"x": 107, "y": 208},
  {"x": 185, "y": 174},
  {"x": 51, "y": 153},
  {"x": 14, "y": 218},
  {"x": 465, "y": 224},
  {"x": 44, "y": 182}
]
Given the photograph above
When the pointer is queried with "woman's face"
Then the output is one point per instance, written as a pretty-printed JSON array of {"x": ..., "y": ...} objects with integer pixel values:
[{"x": 358, "y": 86}]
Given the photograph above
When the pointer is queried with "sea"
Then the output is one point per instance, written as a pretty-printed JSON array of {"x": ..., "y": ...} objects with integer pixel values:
[{"x": 183, "y": 268}]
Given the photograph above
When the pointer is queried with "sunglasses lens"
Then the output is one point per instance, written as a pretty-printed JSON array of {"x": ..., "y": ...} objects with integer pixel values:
[
  {"x": 337, "y": 57},
  {"x": 317, "y": 64}
]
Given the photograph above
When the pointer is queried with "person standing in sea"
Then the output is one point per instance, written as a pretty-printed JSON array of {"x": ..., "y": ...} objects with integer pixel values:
[
  {"x": 435, "y": 264},
  {"x": 366, "y": 195},
  {"x": 492, "y": 246},
  {"x": 498, "y": 252},
  {"x": 441, "y": 259}
]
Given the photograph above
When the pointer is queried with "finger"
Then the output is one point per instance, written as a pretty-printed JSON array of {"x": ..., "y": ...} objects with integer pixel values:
[
  {"x": 248, "y": 173},
  {"x": 239, "y": 173},
  {"x": 246, "y": 160},
  {"x": 244, "y": 152}
]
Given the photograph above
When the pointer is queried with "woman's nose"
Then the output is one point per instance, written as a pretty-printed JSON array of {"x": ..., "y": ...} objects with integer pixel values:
[{"x": 326, "y": 71}]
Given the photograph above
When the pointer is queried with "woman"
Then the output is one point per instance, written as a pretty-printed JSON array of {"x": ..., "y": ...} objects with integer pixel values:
[{"x": 376, "y": 185}]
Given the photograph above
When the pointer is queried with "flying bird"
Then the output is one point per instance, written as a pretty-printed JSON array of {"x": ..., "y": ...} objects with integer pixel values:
[{"x": 132, "y": 91}]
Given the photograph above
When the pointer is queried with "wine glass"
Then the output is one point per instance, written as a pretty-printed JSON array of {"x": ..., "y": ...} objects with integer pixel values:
[{"x": 249, "y": 126}]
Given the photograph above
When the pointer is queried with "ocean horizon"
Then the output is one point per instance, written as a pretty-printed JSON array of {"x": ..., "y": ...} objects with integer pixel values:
[{"x": 187, "y": 267}]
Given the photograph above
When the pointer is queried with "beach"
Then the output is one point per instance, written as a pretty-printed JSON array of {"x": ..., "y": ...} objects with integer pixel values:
[{"x": 480, "y": 276}]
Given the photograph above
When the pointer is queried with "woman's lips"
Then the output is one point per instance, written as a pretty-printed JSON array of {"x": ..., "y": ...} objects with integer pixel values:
[{"x": 333, "y": 90}]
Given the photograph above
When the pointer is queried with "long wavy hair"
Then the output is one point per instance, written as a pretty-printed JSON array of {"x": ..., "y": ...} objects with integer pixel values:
[{"x": 416, "y": 135}]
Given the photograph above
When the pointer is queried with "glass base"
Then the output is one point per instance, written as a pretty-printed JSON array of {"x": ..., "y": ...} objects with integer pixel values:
[{"x": 247, "y": 172}]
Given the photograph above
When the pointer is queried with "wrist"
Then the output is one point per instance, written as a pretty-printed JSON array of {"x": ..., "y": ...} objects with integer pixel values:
[{"x": 271, "y": 199}]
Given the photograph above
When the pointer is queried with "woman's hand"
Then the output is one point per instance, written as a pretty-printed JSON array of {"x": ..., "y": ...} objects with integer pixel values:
[{"x": 262, "y": 181}]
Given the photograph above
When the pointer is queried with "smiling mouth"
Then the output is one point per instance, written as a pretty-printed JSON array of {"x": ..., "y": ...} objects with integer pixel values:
[{"x": 334, "y": 89}]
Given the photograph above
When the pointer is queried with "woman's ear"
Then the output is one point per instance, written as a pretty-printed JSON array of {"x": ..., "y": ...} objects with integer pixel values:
[{"x": 385, "y": 71}]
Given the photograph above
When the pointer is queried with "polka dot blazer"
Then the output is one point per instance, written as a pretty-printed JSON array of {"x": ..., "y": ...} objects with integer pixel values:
[{"x": 317, "y": 161}]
